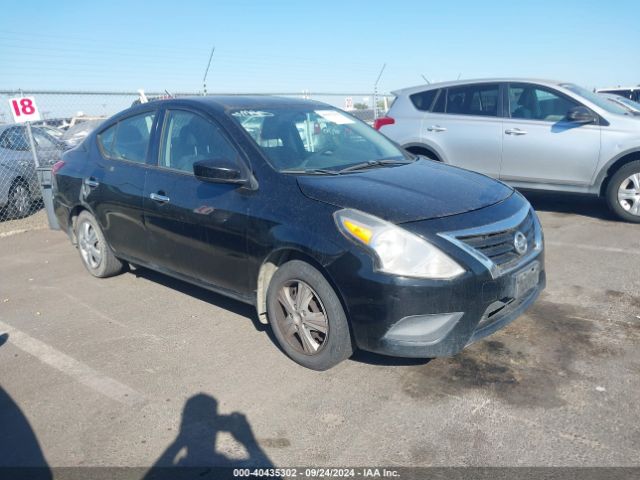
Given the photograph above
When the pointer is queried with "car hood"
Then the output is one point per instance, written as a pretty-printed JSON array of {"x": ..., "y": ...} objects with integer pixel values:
[{"x": 418, "y": 191}]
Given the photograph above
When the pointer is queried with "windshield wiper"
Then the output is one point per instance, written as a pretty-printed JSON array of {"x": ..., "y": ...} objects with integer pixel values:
[
  {"x": 374, "y": 164},
  {"x": 312, "y": 171}
]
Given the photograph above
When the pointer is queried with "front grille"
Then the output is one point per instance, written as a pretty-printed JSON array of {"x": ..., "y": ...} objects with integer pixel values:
[{"x": 499, "y": 246}]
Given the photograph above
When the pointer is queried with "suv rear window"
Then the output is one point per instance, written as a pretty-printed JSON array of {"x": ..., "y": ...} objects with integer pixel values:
[
  {"x": 423, "y": 100},
  {"x": 473, "y": 100}
]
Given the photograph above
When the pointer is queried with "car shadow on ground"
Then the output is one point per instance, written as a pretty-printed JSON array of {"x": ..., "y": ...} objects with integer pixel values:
[
  {"x": 370, "y": 358},
  {"x": 565, "y": 203},
  {"x": 216, "y": 299},
  {"x": 249, "y": 311}
]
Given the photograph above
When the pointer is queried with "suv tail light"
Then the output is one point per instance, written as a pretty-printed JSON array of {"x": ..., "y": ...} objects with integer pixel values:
[
  {"x": 57, "y": 166},
  {"x": 382, "y": 121}
]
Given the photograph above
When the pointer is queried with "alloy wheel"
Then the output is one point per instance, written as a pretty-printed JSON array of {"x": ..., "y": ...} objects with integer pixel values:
[
  {"x": 89, "y": 245},
  {"x": 629, "y": 194},
  {"x": 20, "y": 200},
  {"x": 303, "y": 320}
]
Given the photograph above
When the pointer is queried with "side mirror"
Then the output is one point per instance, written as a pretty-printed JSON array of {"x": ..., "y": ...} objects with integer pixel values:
[
  {"x": 218, "y": 170},
  {"x": 581, "y": 115}
]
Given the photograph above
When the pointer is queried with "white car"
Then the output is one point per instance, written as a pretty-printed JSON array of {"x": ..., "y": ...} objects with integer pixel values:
[{"x": 531, "y": 134}]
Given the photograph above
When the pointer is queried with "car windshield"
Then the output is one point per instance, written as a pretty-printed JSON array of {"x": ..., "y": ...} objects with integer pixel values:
[
  {"x": 318, "y": 140},
  {"x": 596, "y": 99}
]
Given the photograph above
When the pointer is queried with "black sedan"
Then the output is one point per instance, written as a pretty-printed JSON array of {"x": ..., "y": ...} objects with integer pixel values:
[{"x": 339, "y": 238}]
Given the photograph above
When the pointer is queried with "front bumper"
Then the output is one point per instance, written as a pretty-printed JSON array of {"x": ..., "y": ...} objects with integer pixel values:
[{"x": 423, "y": 318}]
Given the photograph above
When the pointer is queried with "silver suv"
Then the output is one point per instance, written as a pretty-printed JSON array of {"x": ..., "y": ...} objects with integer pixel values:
[{"x": 532, "y": 134}]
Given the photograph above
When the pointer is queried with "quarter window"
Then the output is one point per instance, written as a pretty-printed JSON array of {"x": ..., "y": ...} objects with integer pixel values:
[
  {"x": 188, "y": 138},
  {"x": 423, "y": 100},
  {"x": 473, "y": 100},
  {"x": 537, "y": 103},
  {"x": 128, "y": 139}
]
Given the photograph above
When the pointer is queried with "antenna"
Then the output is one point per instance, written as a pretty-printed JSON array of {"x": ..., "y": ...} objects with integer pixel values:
[
  {"x": 375, "y": 92},
  {"x": 204, "y": 80},
  {"x": 426, "y": 79},
  {"x": 459, "y": 75}
]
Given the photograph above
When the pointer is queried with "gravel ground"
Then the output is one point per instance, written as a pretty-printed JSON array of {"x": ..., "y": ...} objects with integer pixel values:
[{"x": 35, "y": 221}]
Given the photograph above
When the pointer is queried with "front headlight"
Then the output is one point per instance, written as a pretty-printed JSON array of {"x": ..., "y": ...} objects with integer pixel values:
[{"x": 396, "y": 250}]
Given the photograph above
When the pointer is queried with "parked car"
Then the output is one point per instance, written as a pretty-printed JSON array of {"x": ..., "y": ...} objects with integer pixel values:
[
  {"x": 76, "y": 133},
  {"x": 352, "y": 244},
  {"x": 52, "y": 131},
  {"x": 532, "y": 134},
  {"x": 632, "y": 93},
  {"x": 632, "y": 107},
  {"x": 19, "y": 186}
]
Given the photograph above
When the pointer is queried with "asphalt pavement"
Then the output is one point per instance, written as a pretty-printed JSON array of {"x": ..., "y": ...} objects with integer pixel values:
[{"x": 141, "y": 370}]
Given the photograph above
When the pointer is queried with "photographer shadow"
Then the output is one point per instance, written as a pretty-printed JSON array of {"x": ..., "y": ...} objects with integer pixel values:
[
  {"x": 195, "y": 445},
  {"x": 21, "y": 457}
]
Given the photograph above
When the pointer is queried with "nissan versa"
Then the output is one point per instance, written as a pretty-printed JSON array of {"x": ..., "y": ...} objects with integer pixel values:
[{"x": 340, "y": 239}]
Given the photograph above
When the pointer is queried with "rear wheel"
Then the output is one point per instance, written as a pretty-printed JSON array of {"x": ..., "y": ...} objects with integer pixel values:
[
  {"x": 623, "y": 192},
  {"x": 96, "y": 254},
  {"x": 423, "y": 152},
  {"x": 19, "y": 204},
  {"x": 307, "y": 317}
]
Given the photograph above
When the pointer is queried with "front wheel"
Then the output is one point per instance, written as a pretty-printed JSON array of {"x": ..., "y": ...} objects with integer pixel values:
[
  {"x": 623, "y": 192},
  {"x": 96, "y": 254},
  {"x": 307, "y": 317}
]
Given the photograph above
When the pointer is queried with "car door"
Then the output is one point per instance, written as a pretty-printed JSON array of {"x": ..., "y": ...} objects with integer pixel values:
[
  {"x": 465, "y": 124},
  {"x": 114, "y": 183},
  {"x": 196, "y": 228},
  {"x": 540, "y": 145}
]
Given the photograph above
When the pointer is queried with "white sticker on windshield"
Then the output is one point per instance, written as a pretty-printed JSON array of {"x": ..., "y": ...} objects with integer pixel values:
[{"x": 334, "y": 116}]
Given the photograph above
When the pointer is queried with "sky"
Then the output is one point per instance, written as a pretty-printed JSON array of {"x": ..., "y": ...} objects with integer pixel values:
[{"x": 319, "y": 46}]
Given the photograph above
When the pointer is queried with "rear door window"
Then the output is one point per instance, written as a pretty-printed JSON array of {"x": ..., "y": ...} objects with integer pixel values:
[
  {"x": 128, "y": 139},
  {"x": 441, "y": 102},
  {"x": 478, "y": 100}
]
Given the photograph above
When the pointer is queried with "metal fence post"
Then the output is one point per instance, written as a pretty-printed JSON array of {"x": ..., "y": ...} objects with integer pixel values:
[{"x": 32, "y": 145}]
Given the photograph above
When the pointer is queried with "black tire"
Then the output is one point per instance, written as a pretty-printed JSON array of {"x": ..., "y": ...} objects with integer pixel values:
[
  {"x": 335, "y": 345},
  {"x": 424, "y": 153},
  {"x": 19, "y": 205},
  {"x": 618, "y": 180},
  {"x": 107, "y": 264}
]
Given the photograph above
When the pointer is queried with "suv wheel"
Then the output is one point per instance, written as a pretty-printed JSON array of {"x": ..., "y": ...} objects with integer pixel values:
[
  {"x": 307, "y": 317},
  {"x": 96, "y": 254},
  {"x": 623, "y": 192},
  {"x": 19, "y": 200}
]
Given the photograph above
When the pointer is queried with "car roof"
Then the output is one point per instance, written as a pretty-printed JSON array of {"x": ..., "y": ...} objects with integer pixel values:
[
  {"x": 453, "y": 83},
  {"x": 236, "y": 102},
  {"x": 618, "y": 89}
]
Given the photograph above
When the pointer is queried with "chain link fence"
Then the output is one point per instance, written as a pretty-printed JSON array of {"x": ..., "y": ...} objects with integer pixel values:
[{"x": 67, "y": 117}]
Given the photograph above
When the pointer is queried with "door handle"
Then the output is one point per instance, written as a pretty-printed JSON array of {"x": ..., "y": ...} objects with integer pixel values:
[
  {"x": 156, "y": 197},
  {"x": 515, "y": 131},
  {"x": 91, "y": 182},
  {"x": 436, "y": 128}
]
